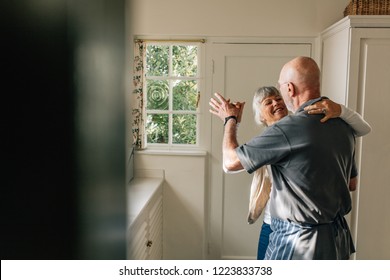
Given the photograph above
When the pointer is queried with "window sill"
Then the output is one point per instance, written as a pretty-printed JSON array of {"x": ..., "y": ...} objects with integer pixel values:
[{"x": 198, "y": 153}]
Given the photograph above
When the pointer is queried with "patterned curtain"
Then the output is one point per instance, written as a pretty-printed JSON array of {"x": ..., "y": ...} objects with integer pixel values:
[{"x": 138, "y": 125}]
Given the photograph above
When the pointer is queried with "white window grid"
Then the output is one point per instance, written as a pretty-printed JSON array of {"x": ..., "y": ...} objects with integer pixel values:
[{"x": 170, "y": 112}]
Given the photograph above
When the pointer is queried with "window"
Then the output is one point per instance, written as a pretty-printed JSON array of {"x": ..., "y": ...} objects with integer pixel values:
[{"x": 172, "y": 90}]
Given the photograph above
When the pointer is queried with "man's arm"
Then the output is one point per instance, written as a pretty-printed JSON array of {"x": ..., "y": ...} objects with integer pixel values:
[
  {"x": 223, "y": 109},
  {"x": 229, "y": 145}
]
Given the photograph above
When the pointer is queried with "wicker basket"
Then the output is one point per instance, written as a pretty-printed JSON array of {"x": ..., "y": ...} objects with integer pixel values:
[{"x": 368, "y": 7}]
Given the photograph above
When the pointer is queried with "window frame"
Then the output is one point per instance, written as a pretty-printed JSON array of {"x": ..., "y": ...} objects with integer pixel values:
[{"x": 170, "y": 112}]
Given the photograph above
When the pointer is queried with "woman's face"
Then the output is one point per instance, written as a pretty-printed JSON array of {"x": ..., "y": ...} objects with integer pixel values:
[{"x": 273, "y": 109}]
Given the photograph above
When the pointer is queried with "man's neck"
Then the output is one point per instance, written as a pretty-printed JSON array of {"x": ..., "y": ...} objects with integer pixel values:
[{"x": 304, "y": 97}]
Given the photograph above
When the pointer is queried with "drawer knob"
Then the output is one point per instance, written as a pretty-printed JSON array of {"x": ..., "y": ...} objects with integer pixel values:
[{"x": 149, "y": 243}]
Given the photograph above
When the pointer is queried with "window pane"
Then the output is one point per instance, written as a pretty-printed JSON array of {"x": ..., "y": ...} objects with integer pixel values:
[
  {"x": 184, "y": 129},
  {"x": 157, "y": 128},
  {"x": 184, "y": 95},
  {"x": 157, "y": 60},
  {"x": 158, "y": 95},
  {"x": 184, "y": 61}
]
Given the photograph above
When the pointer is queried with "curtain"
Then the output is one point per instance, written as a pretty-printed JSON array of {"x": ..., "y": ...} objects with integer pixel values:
[{"x": 138, "y": 120}]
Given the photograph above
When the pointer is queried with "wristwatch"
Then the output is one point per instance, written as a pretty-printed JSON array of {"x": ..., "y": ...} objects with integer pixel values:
[{"x": 228, "y": 118}]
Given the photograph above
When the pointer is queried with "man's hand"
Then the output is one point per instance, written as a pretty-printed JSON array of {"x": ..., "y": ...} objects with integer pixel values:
[
  {"x": 327, "y": 107},
  {"x": 223, "y": 108}
]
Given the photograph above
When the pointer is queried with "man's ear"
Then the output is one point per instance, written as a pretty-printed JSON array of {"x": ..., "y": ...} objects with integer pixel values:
[{"x": 291, "y": 89}]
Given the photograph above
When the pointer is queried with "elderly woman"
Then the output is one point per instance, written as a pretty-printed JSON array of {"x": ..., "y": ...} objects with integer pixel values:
[{"x": 268, "y": 108}]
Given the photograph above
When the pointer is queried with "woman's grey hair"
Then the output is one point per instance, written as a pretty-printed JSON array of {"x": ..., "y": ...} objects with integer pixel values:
[{"x": 260, "y": 94}]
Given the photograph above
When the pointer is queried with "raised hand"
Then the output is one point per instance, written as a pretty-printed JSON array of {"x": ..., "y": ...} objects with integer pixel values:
[{"x": 222, "y": 107}]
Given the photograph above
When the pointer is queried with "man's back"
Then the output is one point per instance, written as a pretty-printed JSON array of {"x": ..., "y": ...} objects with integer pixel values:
[
  {"x": 313, "y": 177},
  {"x": 311, "y": 164}
]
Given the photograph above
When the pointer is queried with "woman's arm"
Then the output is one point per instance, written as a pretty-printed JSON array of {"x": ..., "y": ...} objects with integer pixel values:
[
  {"x": 353, "y": 184},
  {"x": 331, "y": 109},
  {"x": 355, "y": 120}
]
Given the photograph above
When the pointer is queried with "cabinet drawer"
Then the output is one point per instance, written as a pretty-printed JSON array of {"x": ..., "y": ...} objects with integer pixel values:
[
  {"x": 146, "y": 231},
  {"x": 155, "y": 230},
  {"x": 137, "y": 240}
]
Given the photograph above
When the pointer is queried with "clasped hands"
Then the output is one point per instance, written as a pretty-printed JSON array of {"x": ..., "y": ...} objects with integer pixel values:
[{"x": 223, "y": 108}]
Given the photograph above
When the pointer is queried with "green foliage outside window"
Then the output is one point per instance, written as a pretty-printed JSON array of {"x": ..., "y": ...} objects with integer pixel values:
[
  {"x": 184, "y": 129},
  {"x": 157, "y": 59},
  {"x": 184, "y": 61},
  {"x": 172, "y": 92},
  {"x": 185, "y": 94}
]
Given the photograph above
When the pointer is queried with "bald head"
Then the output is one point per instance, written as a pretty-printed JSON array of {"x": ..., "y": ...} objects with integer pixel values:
[
  {"x": 303, "y": 76},
  {"x": 304, "y": 73}
]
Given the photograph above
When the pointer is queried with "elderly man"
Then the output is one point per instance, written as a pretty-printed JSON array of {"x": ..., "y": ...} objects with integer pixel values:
[{"x": 311, "y": 164}]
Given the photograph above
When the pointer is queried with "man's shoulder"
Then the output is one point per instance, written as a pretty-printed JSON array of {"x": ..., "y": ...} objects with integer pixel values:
[
  {"x": 292, "y": 120},
  {"x": 299, "y": 123}
]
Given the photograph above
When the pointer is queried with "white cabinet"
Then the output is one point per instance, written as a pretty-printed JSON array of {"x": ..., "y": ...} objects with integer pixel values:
[
  {"x": 356, "y": 72},
  {"x": 144, "y": 234}
]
